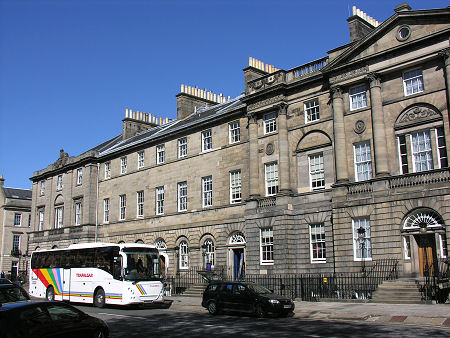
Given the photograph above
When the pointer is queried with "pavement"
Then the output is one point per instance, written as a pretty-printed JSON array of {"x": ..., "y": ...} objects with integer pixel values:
[{"x": 436, "y": 315}]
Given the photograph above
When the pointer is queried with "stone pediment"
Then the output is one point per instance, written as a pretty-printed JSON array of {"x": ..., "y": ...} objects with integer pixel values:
[
  {"x": 416, "y": 115},
  {"x": 400, "y": 29},
  {"x": 312, "y": 140}
]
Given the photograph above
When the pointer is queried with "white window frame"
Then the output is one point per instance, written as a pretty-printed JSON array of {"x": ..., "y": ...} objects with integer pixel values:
[
  {"x": 140, "y": 203},
  {"x": 59, "y": 182},
  {"x": 235, "y": 187},
  {"x": 441, "y": 147},
  {"x": 271, "y": 178},
  {"x": 406, "y": 248},
  {"x": 413, "y": 82},
  {"x": 417, "y": 153},
  {"x": 122, "y": 207},
  {"x": 123, "y": 165},
  {"x": 266, "y": 246},
  {"x": 316, "y": 171},
  {"x": 443, "y": 245},
  {"x": 141, "y": 159},
  {"x": 159, "y": 207},
  {"x": 356, "y": 223},
  {"x": 182, "y": 196},
  {"x": 365, "y": 164},
  {"x": 357, "y": 97},
  {"x": 16, "y": 243},
  {"x": 317, "y": 239},
  {"x": 107, "y": 170},
  {"x": 59, "y": 216},
  {"x": 17, "y": 220},
  {"x": 207, "y": 140},
  {"x": 79, "y": 176},
  {"x": 270, "y": 123},
  {"x": 207, "y": 191},
  {"x": 182, "y": 147},
  {"x": 42, "y": 191},
  {"x": 40, "y": 219},
  {"x": 78, "y": 210},
  {"x": 312, "y": 110},
  {"x": 209, "y": 252},
  {"x": 184, "y": 255},
  {"x": 234, "y": 132},
  {"x": 106, "y": 207},
  {"x": 160, "y": 154}
]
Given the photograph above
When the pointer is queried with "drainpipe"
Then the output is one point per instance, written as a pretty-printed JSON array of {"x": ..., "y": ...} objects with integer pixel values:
[
  {"x": 2, "y": 253},
  {"x": 96, "y": 205},
  {"x": 332, "y": 234}
]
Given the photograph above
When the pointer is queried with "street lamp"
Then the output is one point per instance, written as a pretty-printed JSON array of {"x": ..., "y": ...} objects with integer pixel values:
[{"x": 362, "y": 242}]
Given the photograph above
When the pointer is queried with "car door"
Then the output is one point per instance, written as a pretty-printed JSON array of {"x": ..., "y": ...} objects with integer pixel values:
[
  {"x": 226, "y": 296},
  {"x": 33, "y": 321},
  {"x": 242, "y": 299},
  {"x": 66, "y": 321}
]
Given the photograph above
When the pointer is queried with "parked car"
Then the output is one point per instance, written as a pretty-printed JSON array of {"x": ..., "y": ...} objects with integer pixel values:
[
  {"x": 10, "y": 293},
  {"x": 5, "y": 281},
  {"x": 48, "y": 319},
  {"x": 245, "y": 297}
]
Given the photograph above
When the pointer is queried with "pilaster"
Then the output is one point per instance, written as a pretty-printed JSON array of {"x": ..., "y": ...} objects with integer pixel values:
[
  {"x": 340, "y": 148},
  {"x": 253, "y": 156},
  {"x": 283, "y": 150}
]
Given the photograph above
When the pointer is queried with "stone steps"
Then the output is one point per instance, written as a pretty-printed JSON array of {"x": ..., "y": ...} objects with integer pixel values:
[
  {"x": 194, "y": 290},
  {"x": 398, "y": 292}
]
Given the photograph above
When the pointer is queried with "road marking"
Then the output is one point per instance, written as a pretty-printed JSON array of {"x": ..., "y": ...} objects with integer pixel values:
[{"x": 116, "y": 315}]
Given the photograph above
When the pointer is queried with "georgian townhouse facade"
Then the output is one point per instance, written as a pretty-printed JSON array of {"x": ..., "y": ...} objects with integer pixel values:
[
  {"x": 15, "y": 224},
  {"x": 318, "y": 168}
]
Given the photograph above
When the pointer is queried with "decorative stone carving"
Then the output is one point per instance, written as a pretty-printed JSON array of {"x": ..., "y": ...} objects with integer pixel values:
[
  {"x": 270, "y": 148},
  {"x": 445, "y": 53},
  {"x": 360, "y": 126},
  {"x": 265, "y": 102},
  {"x": 62, "y": 160},
  {"x": 336, "y": 92},
  {"x": 417, "y": 114},
  {"x": 265, "y": 82},
  {"x": 251, "y": 118},
  {"x": 349, "y": 75},
  {"x": 374, "y": 80},
  {"x": 282, "y": 108}
]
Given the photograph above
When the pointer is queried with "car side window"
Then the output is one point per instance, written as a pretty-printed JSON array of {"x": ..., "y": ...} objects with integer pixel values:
[
  {"x": 228, "y": 288},
  {"x": 62, "y": 313},
  {"x": 34, "y": 315},
  {"x": 212, "y": 287},
  {"x": 239, "y": 289}
]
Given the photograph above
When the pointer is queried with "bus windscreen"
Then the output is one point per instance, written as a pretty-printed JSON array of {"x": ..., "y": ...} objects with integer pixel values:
[{"x": 142, "y": 264}]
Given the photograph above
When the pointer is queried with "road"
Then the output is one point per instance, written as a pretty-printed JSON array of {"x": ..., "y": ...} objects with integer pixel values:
[{"x": 164, "y": 322}]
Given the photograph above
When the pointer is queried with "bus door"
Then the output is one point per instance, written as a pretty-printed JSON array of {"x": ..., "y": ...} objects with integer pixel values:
[{"x": 66, "y": 284}]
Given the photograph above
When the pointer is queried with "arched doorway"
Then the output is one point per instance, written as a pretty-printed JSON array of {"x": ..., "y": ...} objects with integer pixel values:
[
  {"x": 424, "y": 241},
  {"x": 236, "y": 255}
]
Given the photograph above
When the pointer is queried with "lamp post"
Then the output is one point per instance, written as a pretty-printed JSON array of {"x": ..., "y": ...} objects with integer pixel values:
[{"x": 362, "y": 242}]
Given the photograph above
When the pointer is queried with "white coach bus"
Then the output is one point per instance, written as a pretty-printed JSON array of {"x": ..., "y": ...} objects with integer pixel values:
[{"x": 99, "y": 273}]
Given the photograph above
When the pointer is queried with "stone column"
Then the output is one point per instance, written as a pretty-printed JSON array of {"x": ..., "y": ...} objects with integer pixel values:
[
  {"x": 253, "y": 156},
  {"x": 283, "y": 150},
  {"x": 340, "y": 147},
  {"x": 445, "y": 53},
  {"x": 378, "y": 127}
]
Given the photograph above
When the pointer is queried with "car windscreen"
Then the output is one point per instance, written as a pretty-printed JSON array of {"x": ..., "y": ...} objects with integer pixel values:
[
  {"x": 261, "y": 290},
  {"x": 12, "y": 294}
]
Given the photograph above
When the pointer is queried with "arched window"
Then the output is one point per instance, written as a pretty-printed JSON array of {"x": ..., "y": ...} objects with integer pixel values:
[
  {"x": 209, "y": 252},
  {"x": 184, "y": 255},
  {"x": 237, "y": 238},
  {"x": 423, "y": 218},
  {"x": 160, "y": 244},
  {"x": 139, "y": 241},
  {"x": 54, "y": 247},
  {"x": 120, "y": 242}
]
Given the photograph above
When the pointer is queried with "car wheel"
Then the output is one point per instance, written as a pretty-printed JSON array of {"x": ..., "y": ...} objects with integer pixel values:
[
  {"x": 259, "y": 311},
  {"x": 99, "y": 298},
  {"x": 99, "y": 333},
  {"x": 212, "y": 308},
  {"x": 50, "y": 294}
]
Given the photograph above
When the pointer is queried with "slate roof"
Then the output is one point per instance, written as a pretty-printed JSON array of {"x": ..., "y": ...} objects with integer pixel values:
[{"x": 22, "y": 194}]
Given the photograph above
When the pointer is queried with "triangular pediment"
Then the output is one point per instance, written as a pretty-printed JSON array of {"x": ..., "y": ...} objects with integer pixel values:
[{"x": 415, "y": 26}]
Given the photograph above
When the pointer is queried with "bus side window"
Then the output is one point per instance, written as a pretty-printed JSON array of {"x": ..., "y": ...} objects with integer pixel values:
[{"x": 117, "y": 267}]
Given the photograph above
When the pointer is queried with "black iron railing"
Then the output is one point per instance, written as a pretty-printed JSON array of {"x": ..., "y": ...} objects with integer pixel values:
[
  {"x": 436, "y": 282},
  {"x": 308, "y": 287}
]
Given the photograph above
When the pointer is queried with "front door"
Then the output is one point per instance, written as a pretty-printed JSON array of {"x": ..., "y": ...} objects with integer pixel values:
[
  {"x": 238, "y": 263},
  {"x": 427, "y": 254}
]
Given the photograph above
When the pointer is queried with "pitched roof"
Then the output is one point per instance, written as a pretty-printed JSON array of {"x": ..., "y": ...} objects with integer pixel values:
[{"x": 22, "y": 194}]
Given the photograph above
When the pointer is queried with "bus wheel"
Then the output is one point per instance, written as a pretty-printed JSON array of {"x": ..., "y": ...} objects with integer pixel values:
[
  {"x": 50, "y": 294},
  {"x": 99, "y": 298}
]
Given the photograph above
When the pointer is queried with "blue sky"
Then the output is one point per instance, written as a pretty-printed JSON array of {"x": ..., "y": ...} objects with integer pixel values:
[{"x": 69, "y": 69}]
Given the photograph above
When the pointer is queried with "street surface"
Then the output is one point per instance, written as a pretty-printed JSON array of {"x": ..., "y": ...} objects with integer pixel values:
[{"x": 164, "y": 322}]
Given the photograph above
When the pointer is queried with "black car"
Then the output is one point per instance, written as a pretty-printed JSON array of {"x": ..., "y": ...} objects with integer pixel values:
[
  {"x": 245, "y": 297},
  {"x": 48, "y": 319},
  {"x": 12, "y": 293},
  {"x": 5, "y": 281}
]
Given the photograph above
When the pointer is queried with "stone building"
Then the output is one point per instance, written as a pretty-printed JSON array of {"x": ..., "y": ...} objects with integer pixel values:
[
  {"x": 318, "y": 168},
  {"x": 15, "y": 224}
]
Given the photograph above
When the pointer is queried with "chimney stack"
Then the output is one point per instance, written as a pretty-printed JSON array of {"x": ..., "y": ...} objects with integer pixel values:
[
  {"x": 2, "y": 181},
  {"x": 136, "y": 121},
  {"x": 256, "y": 69},
  {"x": 360, "y": 24}
]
